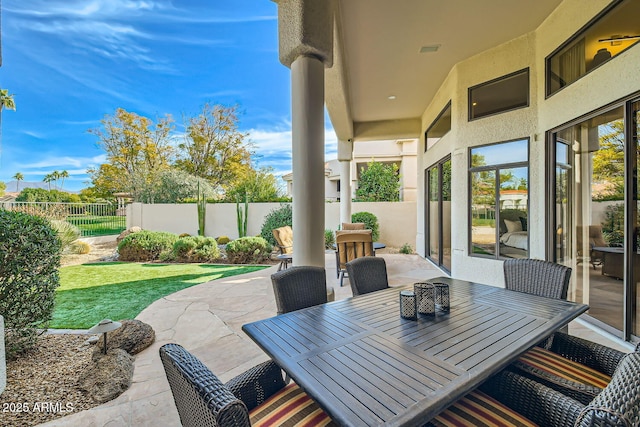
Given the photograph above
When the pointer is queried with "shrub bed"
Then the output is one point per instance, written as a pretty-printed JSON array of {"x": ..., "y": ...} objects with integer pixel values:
[
  {"x": 145, "y": 245},
  {"x": 195, "y": 249},
  {"x": 248, "y": 250}
]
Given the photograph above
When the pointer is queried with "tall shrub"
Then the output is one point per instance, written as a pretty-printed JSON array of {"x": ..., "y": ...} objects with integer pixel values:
[
  {"x": 29, "y": 261},
  {"x": 278, "y": 217},
  {"x": 370, "y": 222}
]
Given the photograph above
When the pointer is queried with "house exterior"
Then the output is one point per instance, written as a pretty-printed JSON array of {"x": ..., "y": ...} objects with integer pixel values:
[
  {"x": 527, "y": 118},
  {"x": 402, "y": 152}
]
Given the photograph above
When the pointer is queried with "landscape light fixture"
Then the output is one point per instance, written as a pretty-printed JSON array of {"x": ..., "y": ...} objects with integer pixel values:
[{"x": 103, "y": 327}]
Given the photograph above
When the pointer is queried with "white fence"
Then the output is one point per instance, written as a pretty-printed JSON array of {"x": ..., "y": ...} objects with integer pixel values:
[{"x": 397, "y": 219}]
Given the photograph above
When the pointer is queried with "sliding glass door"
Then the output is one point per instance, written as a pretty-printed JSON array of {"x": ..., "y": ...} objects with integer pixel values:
[
  {"x": 595, "y": 214},
  {"x": 438, "y": 213}
]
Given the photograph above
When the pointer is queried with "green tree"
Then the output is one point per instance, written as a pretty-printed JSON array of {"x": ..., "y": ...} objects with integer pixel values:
[
  {"x": 3, "y": 188},
  {"x": 175, "y": 186},
  {"x": 6, "y": 100},
  {"x": 214, "y": 148},
  {"x": 48, "y": 178},
  {"x": 608, "y": 161},
  {"x": 137, "y": 151},
  {"x": 257, "y": 186},
  {"x": 379, "y": 183},
  {"x": 63, "y": 175},
  {"x": 18, "y": 177}
]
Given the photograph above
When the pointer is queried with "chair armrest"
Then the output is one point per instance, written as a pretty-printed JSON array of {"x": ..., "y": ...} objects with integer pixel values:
[
  {"x": 540, "y": 404},
  {"x": 257, "y": 384},
  {"x": 599, "y": 357}
]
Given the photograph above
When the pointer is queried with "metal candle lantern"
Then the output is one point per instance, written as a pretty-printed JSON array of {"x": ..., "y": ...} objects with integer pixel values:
[
  {"x": 425, "y": 298},
  {"x": 103, "y": 327},
  {"x": 442, "y": 298},
  {"x": 408, "y": 305}
]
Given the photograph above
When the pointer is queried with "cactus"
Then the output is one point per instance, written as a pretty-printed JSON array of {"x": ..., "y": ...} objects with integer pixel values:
[
  {"x": 201, "y": 203},
  {"x": 241, "y": 217}
]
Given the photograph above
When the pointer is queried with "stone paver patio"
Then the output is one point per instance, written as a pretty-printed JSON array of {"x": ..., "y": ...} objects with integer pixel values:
[{"x": 206, "y": 319}]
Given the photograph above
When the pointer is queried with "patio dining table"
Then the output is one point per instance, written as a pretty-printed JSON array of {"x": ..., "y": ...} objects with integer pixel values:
[{"x": 365, "y": 365}]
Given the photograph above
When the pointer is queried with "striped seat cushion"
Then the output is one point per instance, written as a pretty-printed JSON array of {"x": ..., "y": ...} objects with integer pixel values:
[
  {"x": 289, "y": 407},
  {"x": 554, "y": 364},
  {"x": 477, "y": 409}
]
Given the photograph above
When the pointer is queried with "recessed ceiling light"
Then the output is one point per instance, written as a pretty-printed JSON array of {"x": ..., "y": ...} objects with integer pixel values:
[
  {"x": 392, "y": 97},
  {"x": 430, "y": 48}
]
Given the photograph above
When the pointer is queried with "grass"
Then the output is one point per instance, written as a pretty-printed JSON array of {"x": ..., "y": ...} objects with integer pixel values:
[
  {"x": 92, "y": 225},
  {"x": 89, "y": 293}
]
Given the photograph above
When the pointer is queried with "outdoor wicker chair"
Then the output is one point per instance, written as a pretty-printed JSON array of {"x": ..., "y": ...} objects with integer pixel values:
[
  {"x": 573, "y": 366},
  {"x": 259, "y": 395},
  {"x": 531, "y": 403},
  {"x": 537, "y": 277},
  {"x": 351, "y": 244},
  {"x": 367, "y": 274},
  {"x": 299, "y": 287}
]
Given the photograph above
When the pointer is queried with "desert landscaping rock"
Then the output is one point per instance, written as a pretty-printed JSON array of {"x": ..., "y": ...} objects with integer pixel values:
[
  {"x": 133, "y": 337},
  {"x": 126, "y": 232},
  {"x": 109, "y": 375}
]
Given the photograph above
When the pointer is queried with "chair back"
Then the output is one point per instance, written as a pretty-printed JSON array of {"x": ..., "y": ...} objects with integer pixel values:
[
  {"x": 537, "y": 277},
  {"x": 367, "y": 274},
  {"x": 201, "y": 398},
  {"x": 596, "y": 237},
  {"x": 352, "y": 244},
  {"x": 299, "y": 287},
  {"x": 284, "y": 237},
  {"x": 353, "y": 226},
  {"x": 619, "y": 403}
]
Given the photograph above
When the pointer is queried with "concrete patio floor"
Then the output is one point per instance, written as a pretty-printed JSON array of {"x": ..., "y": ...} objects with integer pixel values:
[{"x": 206, "y": 319}]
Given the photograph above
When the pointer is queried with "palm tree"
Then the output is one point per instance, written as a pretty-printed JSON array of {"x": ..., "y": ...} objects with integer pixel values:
[
  {"x": 48, "y": 178},
  {"x": 6, "y": 101},
  {"x": 64, "y": 174},
  {"x": 18, "y": 177}
]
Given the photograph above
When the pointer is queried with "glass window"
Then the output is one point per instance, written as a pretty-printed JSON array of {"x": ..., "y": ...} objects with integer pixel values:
[
  {"x": 439, "y": 128},
  {"x": 499, "y": 177},
  {"x": 497, "y": 96},
  {"x": 613, "y": 31}
]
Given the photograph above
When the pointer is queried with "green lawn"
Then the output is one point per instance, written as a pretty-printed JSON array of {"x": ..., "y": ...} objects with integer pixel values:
[
  {"x": 89, "y": 293},
  {"x": 91, "y": 225}
]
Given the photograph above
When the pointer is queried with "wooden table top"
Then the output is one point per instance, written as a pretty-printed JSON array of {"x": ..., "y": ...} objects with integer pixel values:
[{"x": 365, "y": 365}]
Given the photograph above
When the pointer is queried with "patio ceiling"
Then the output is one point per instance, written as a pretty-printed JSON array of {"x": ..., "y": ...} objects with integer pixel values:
[{"x": 377, "y": 55}]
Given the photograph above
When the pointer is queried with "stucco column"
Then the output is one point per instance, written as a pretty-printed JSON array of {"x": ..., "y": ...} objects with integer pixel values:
[
  {"x": 305, "y": 30},
  {"x": 307, "y": 77},
  {"x": 345, "y": 154}
]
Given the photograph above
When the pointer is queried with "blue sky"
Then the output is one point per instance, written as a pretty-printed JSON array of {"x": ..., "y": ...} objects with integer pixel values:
[{"x": 71, "y": 62}]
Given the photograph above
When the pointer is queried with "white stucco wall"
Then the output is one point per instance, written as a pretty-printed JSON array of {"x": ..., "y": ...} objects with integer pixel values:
[
  {"x": 614, "y": 80},
  {"x": 221, "y": 219}
]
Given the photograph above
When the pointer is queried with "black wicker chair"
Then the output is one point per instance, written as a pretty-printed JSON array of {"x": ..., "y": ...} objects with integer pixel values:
[
  {"x": 367, "y": 274},
  {"x": 580, "y": 370},
  {"x": 299, "y": 287},
  {"x": 203, "y": 401},
  {"x": 537, "y": 277},
  {"x": 617, "y": 405}
]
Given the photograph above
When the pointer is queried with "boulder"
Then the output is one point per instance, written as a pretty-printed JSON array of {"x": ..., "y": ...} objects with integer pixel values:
[
  {"x": 126, "y": 232},
  {"x": 108, "y": 376},
  {"x": 133, "y": 337}
]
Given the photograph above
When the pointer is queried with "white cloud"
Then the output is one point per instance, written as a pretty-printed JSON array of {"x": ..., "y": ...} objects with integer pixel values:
[
  {"x": 68, "y": 163},
  {"x": 274, "y": 147}
]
